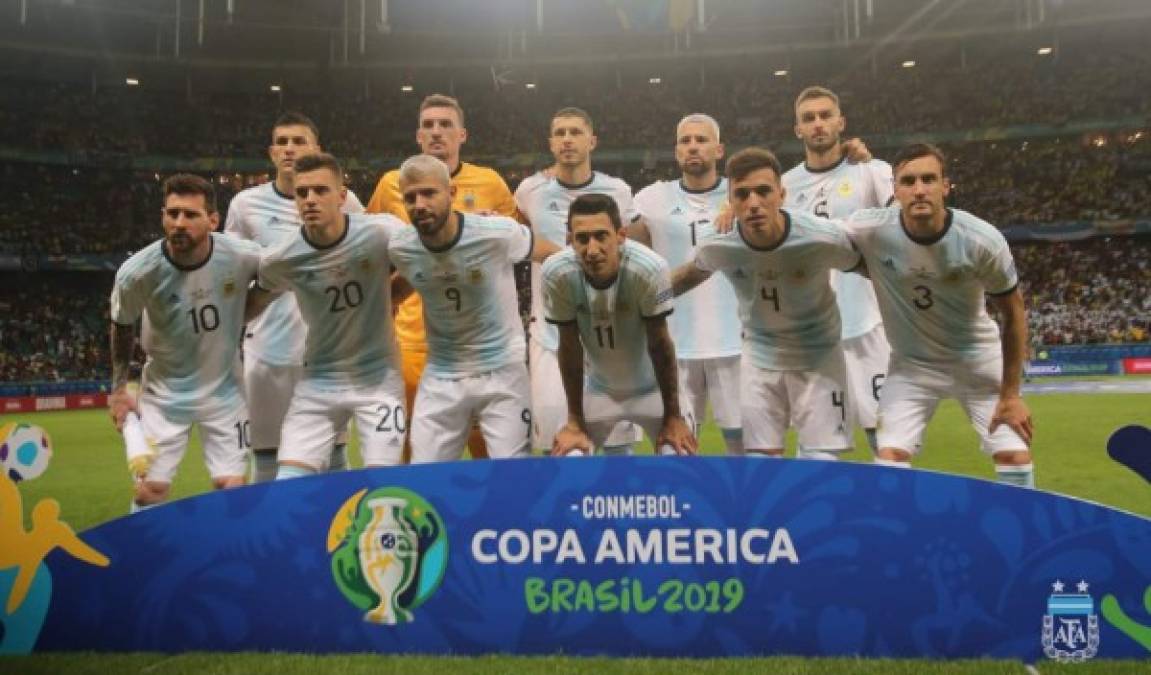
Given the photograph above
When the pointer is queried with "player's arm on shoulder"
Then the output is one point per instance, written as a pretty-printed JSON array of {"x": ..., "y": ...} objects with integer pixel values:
[
  {"x": 573, "y": 435},
  {"x": 675, "y": 431},
  {"x": 1011, "y": 409},
  {"x": 542, "y": 249},
  {"x": 883, "y": 180},
  {"x": 856, "y": 150},
  {"x": 638, "y": 230},
  {"x": 234, "y": 221},
  {"x": 688, "y": 275},
  {"x": 122, "y": 343}
]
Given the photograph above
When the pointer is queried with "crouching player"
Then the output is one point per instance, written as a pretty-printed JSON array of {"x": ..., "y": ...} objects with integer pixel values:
[
  {"x": 190, "y": 288},
  {"x": 462, "y": 266},
  {"x": 610, "y": 299}
]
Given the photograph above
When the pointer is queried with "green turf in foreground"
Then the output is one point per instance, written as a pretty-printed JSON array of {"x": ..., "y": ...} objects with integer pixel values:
[
  {"x": 89, "y": 477},
  {"x": 288, "y": 664}
]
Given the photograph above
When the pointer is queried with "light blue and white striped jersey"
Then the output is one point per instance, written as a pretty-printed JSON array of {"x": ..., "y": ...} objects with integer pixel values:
[
  {"x": 931, "y": 293},
  {"x": 267, "y": 217},
  {"x": 344, "y": 294},
  {"x": 786, "y": 302},
  {"x": 544, "y": 202},
  {"x": 193, "y": 319},
  {"x": 705, "y": 324},
  {"x": 611, "y": 320},
  {"x": 471, "y": 308},
  {"x": 837, "y": 192}
]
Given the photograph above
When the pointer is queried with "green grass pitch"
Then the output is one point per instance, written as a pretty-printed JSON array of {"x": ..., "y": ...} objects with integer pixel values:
[{"x": 89, "y": 477}]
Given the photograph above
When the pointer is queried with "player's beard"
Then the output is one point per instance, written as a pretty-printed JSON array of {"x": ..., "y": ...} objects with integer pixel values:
[
  {"x": 701, "y": 168},
  {"x": 821, "y": 146}
]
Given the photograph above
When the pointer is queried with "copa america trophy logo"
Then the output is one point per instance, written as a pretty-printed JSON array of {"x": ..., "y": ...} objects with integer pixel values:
[
  {"x": 1070, "y": 626},
  {"x": 389, "y": 553}
]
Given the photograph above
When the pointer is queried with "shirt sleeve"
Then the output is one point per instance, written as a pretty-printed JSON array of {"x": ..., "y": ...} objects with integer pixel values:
[
  {"x": 884, "y": 182},
  {"x": 269, "y": 276},
  {"x": 846, "y": 256},
  {"x": 707, "y": 255},
  {"x": 505, "y": 204},
  {"x": 657, "y": 298},
  {"x": 353, "y": 204},
  {"x": 519, "y": 242},
  {"x": 627, "y": 211},
  {"x": 127, "y": 299},
  {"x": 234, "y": 222},
  {"x": 558, "y": 306},
  {"x": 998, "y": 272}
]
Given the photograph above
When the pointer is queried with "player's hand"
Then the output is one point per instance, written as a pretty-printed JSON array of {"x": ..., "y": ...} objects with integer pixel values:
[
  {"x": 570, "y": 438},
  {"x": 725, "y": 219},
  {"x": 1013, "y": 412},
  {"x": 676, "y": 433},
  {"x": 856, "y": 151},
  {"x": 120, "y": 403}
]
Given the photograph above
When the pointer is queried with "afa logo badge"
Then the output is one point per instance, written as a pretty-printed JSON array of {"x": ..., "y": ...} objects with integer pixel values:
[
  {"x": 389, "y": 552},
  {"x": 1071, "y": 626}
]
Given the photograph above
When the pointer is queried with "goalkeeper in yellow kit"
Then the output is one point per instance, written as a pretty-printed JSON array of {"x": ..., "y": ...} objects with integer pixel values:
[{"x": 440, "y": 133}]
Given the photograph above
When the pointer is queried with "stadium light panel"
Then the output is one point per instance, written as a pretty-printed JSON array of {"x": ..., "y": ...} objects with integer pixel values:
[
  {"x": 1044, "y": 51},
  {"x": 530, "y": 85},
  {"x": 781, "y": 73},
  {"x": 274, "y": 87},
  {"x": 654, "y": 80},
  {"x": 131, "y": 81},
  {"x": 407, "y": 88},
  {"x": 909, "y": 64}
]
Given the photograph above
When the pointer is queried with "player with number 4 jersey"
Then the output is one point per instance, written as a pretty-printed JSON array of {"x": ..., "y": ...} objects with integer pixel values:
[
  {"x": 462, "y": 267},
  {"x": 779, "y": 263},
  {"x": 339, "y": 270}
]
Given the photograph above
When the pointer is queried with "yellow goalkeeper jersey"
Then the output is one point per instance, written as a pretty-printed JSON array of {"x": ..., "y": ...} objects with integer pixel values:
[{"x": 478, "y": 188}]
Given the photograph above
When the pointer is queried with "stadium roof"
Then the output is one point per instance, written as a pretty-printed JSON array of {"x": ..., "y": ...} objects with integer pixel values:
[{"x": 409, "y": 34}]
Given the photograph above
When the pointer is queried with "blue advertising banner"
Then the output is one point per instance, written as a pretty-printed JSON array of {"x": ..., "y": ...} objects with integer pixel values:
[{"x": 622, "y": 556}]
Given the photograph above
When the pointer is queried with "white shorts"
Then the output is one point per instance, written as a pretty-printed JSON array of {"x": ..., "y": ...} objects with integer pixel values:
[
  {"x": 223, "y": 432},
  {"x": 715, "y": 380},
  {"x": 866, "y": 357},
  {"x": 913, "y": 390},
  {"x": 811, "y": 400},
  {"x": 268, "y": 389},
  {"x": 498, "y": 399},
  {"x": 549, "y": 402},
  {"x": 319, "y": 411},
  {"x": 604, "y": 413}
]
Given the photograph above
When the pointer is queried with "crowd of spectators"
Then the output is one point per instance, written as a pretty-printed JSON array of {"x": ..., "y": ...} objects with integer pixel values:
[
  {"x": 54, "y": 327},
  {"x": 752, "y": 105},
  {"x": 1090, "y": 292}
]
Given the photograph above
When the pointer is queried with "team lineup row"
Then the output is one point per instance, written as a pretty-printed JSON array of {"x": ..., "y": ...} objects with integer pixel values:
[{"x": 833, "y": 308}]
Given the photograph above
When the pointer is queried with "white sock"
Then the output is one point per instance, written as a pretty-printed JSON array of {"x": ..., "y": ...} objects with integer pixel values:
[
  {"x": 1021, "y": 475},
  {"x": 894, "y": 463},
  {"x": 733, "y": 439},
  {"x": 291, "y": 471},
  {"x": 264, "y": 466},
  {"x": 824, "y": 455},
  {"x": 136, "y": 508},
  {"x": 618, "y": 450},
  {"x": 762, "y": 454}
]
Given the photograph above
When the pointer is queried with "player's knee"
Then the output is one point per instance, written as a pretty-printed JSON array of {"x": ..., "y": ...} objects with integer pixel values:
[
  {"x": 893, "y": 455},
  {"x": 1012, "y": 457},
  {"x": 150, "y": 492},
  {"x": 225, "y": 482}
]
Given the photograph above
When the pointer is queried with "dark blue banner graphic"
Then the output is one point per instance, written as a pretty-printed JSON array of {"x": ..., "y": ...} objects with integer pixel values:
[{"x": 622, "y": 556}]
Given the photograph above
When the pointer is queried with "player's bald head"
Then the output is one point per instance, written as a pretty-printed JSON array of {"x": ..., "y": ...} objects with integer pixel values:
[
  {"x": 425, "y": 167},
  {"x": 700, "y": 118}
]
